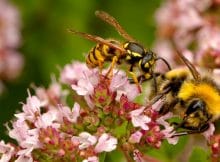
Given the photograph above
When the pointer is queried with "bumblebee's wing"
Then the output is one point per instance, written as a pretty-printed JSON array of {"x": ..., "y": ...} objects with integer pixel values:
[
  {"x": 113, "y": 22},
  {"x": 191, "y": 67},
  {"x": 97, "y": 39}
]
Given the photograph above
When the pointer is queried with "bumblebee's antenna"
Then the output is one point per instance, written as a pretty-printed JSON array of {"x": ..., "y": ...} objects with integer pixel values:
[{"x": 191, "y": 67}]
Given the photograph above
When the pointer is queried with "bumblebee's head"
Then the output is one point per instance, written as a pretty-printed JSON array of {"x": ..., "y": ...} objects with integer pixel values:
[{"x": 196, "y": 115}]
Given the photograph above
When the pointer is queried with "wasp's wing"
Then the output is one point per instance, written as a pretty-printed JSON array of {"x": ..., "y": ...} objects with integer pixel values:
[
  {"x": 113, "y": 22},
  {"x": 191, "y": 67},
  {"x": 97, "y": 39}
]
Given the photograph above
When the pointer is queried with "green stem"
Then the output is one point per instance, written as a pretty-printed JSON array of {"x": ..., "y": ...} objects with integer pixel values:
[{"x": 102, "y": 157}]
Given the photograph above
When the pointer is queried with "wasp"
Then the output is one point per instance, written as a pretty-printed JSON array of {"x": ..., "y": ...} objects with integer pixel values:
[{"x": 109, "y": 50}]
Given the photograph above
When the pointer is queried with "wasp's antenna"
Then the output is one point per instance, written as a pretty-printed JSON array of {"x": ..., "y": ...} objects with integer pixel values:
[
  {"x": 165, "y": 61},
  {"x": 113, "y": 22},
  {"x": 191, "y": 67}
]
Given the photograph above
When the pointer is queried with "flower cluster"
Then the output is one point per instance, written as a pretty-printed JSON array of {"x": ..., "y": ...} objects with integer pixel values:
[
  {"x": 104, "y": 117},
  {"x": 194, "y": 29},
  {"x": 86, "y": 113},
  {"x": 11, "y": 62}
]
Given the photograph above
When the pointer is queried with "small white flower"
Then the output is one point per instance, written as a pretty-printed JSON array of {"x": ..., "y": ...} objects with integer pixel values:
[
  {"x": 85, "y": 139},
  {"x": 168, "y": 130},
  {"x": 30, "y": 109},
  {"x": 121, "y": 85},
  {"x": 70, "y": 115},
  {"x": 6, "y": 151},
  {"x": 106, "y": 143},
  {"x": 48, "y": 119},
  {"x": 23, "y": 158},
  {"x": 91, "y": 159},
  {"x": 208, "y": 133},
  {"x": 135, "y": 137},
  {"x": 138, "y": 119}
]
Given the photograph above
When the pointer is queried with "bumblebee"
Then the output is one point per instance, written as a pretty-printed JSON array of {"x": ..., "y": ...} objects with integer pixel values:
[
  {"x": 194, "y": 98},
  {"x": 115, "y": 52}
]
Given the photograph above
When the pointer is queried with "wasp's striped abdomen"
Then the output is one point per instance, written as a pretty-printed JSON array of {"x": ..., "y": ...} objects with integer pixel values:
[{"x": 100, "y": 54}]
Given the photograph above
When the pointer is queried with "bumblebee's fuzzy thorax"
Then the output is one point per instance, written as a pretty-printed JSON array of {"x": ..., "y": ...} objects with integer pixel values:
[
  {"x": 177, "y": 74},
  {"x": 203, "y": 90}
]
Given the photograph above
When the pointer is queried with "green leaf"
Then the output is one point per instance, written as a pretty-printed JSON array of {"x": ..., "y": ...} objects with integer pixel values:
[
  {"x": 199, "y": 155},
  {"x": 121, "y": 130},
  {"x": 115, "y": 155}
]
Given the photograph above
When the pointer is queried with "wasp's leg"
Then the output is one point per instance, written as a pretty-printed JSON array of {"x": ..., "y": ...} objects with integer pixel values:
[
  {"x": 100, "y": 66},
  {"x": 134, "y": 78},
  {"x": 109, "y": 74}
]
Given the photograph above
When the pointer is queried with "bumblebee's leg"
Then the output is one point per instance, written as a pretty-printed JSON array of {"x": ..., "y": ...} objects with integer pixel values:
[
  {"x": 155, "y": 83},
  {"x": 109, "y": 74},
  {"x": 182, "y": 133},
  {"x": 168, "y": 106}
]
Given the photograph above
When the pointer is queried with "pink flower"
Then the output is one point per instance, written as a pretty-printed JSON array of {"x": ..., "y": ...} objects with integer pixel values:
[
  {"x": 53, "y": 95},
  {"x": 48, "y": 119},
  {"x": 72, "y": 73},
  {"x": 70, "y": 115},
  {"x": 216, "y": 76},
  {"x": 135, "y": 137},
  {"x": 168, "y": 130},
  {"x": 121, "y": 85},
  {"x": 31, "y": 141},
  {"x": 26, "y": 137},
  {"x": 6, "y": 152},
  {"x": 23, "y": 158},
  {"x": 84, "y": 87},
  {"x": 11, "y": 64},
  {"x": 85, "y": 139},
  {"x": 10, "y": 25},
  {"x": 138, "y": 157},
  {"x": 19, "y": 131},
  {"x": 199, "y": 5},
  {"x": 92, "y": 159},
  {"x": 209, "y": 133},
  {"x": 164, "y": 49},
  {"x": 208, "y": 37},
  {"x": 106, "y": 143},
  {"x": 138, "y": 119},
  {"x": 30, "y": 109}
]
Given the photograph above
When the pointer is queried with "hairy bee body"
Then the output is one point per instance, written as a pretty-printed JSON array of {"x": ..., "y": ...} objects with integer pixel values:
[{"x": 197, "y": 102}]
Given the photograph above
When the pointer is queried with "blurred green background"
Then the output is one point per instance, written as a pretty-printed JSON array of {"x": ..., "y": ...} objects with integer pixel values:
[{"x": 46, "y": 45}]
